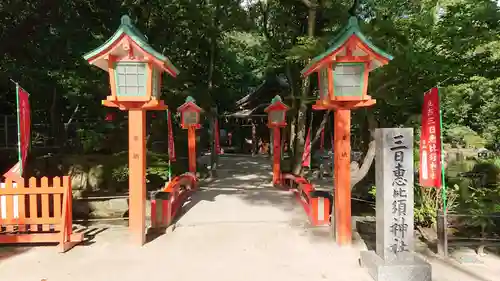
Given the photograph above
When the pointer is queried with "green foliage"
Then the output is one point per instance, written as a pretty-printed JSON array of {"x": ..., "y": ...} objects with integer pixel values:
[
  {"x": 481, "y": 203},
  {"x": 305, "y": 48},
  {"x": 157, "y": 166},
  {"x": 91, "y": 140},
  {"x": 479, "y": 196},
  {"x": 463, "y": 136},
  {"x": 120, "y": 174},
  {"x": 373, "y": 192},
  {"x": 224, "y": 50},
  {"x": 429, "y": 200},
  {"x": 470, "y": 111}
]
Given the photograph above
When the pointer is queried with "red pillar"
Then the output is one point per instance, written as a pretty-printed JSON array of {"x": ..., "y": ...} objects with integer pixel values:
[
  {"x": 137, "y": 174},
  {"x": 276, "y": 155},
  {"x": 192, "y": 149},
  {"x": 342, "y": 176}
]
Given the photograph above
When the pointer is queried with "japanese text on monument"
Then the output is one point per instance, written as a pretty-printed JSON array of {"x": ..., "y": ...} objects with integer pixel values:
[{"x": 399, "y": 227}]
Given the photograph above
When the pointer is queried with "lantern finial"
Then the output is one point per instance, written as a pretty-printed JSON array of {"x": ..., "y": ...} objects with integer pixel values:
[
  {"x": 126, "y": 20},
  {"x": 190, "y": 99},
  {"x": 353, "y": 21},
  {"x": 276, "y": 99}
]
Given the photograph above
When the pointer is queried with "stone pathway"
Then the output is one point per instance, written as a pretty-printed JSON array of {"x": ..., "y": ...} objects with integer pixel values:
[{"x": 236, "y": 228}]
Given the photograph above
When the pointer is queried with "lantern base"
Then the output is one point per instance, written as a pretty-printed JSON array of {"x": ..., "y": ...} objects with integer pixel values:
[
  {"x": 196, "y": 126},
  {"x": 126, "y": 105},
  {"x": 335, "y": 105}
]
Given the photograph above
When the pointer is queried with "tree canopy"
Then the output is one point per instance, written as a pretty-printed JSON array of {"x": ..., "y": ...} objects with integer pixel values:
[{"x": 225, "y": 48}]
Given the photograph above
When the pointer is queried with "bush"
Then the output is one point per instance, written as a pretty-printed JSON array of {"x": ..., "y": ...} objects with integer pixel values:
[
  {"x": 481, "y": 203},
  {"x": 426, "y": 203},
  {"x": 429, "y": 200},
  {"x": 463, "y": 136},
  {"x": 90, "y": 140}
]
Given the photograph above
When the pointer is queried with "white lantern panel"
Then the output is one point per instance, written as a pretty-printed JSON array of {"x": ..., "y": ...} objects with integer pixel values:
[
  {"x": 277, "y": 116},
  {"x": 190, "y": 118},
  {"x": 130, "y": 79},
  {"x": 348, "y": 79}
]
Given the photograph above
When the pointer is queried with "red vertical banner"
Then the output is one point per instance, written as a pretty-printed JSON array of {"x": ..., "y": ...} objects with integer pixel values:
[
  {"x": 217, "y": 137},
  {"x": 24, "y": 133},
  {"x": 24, "y": 125},
  {"x": 430, "y": 141},
  {"x": 171, "y": 146},
  {"x": 306, "y": 157}
]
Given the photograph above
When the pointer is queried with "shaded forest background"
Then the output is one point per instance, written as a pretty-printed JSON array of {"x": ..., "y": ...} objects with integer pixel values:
[{"x": 225, "y": 49}]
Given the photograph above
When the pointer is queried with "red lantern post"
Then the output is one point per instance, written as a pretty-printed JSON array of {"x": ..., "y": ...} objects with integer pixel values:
[
  {"x": 190, "y": 119},
  {"x": 343, "y": 83},
  {"x": 276, "y": 120},
  {"x": 135, "y": 71}
]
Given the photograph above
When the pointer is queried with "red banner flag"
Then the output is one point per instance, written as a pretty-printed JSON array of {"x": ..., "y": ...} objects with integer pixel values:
[
  {"x": 306, "y": 157},
  {"x": 171, "y": 146},
  {"x": 430, "y": 141},
  {"x": 24, "y": 133},
  {"x": 217, "y": 137},
  {"x": 24, "y": 123}
]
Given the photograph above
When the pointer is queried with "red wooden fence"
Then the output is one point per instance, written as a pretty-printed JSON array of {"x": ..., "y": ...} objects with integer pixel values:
[{"x": 38, "y": 213}]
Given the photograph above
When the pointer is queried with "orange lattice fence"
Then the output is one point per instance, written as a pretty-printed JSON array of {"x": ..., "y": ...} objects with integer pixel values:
[{"x": 38, "y": 213}]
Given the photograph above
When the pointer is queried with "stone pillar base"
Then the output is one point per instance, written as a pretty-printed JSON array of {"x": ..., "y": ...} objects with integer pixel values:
[{"x": 407, "y": 266}]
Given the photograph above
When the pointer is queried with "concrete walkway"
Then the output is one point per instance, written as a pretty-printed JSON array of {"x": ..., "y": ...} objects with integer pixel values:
[{"x": 236, "y": 228}]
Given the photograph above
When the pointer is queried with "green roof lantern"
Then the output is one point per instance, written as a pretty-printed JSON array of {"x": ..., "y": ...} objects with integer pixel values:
[
  {"x": 343, "y": 68},
  {"x": 135, "y": 68},
  {"x": 276, "y": 112},
  {"x": 190, "y": 113}
]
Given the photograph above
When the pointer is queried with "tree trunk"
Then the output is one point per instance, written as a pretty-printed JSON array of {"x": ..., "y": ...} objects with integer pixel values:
[
  {"x": 359, "y": 175},
  {"x": 302, "y": 110},
  {"x": 55, "y": 120},
  {"x": 210, "y": 85},
  {"x": 292, "y": 127},
  {"x": 317, "y": 135}
]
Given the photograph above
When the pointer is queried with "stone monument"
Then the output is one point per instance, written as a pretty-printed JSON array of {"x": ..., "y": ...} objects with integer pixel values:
[{"x": 394, "y": 258}]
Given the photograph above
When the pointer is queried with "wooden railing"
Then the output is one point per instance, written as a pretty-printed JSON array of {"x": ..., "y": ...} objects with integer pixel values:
[
  {"x": 37, "y": 214},
  {"x": 317, "y": 204},
  {"x": 165, "y": 204}
]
